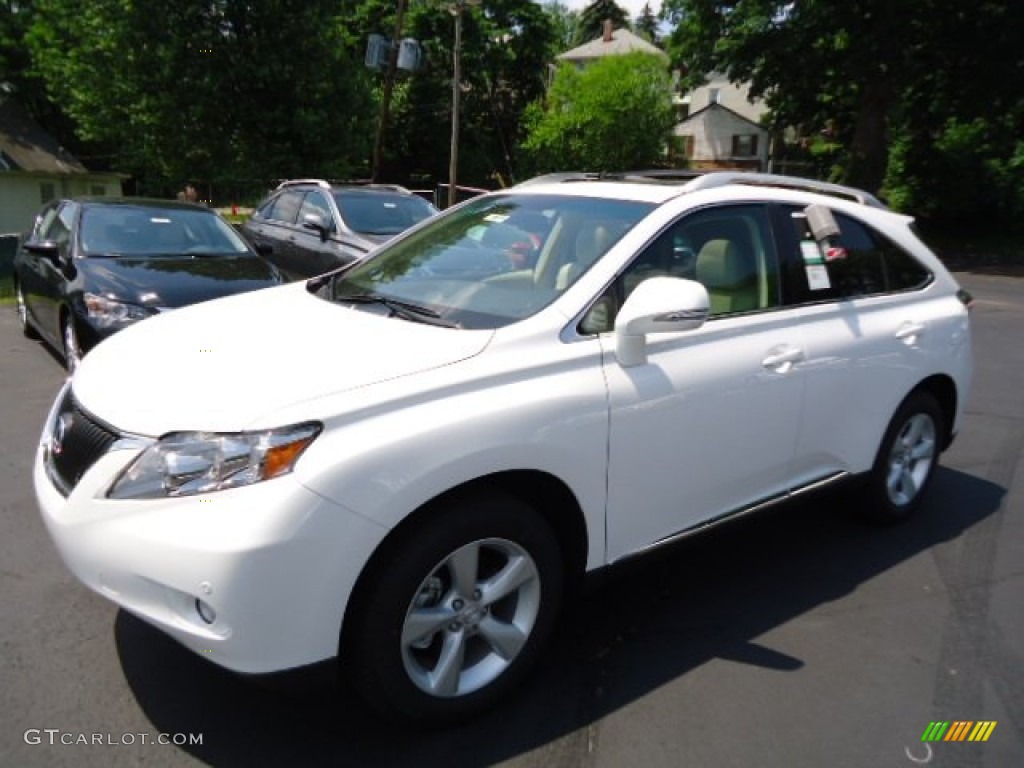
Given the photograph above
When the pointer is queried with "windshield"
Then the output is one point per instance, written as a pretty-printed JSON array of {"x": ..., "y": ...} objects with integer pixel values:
[
  {"x": 380, "y": 213},
  {"x": 495, "y": 261},
  {"x": 135, "y": 230}
]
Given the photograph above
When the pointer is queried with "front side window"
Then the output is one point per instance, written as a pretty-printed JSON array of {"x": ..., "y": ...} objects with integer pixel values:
[
  {"x": 285, "y": 207},
  {"x": 728, "y": 249},
  {"x": 493, "y": 262},
  {"x": 316, "y": 203}
]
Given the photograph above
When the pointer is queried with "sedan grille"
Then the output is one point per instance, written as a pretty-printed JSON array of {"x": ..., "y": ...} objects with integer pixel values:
[{"x": 78, "y": 440}]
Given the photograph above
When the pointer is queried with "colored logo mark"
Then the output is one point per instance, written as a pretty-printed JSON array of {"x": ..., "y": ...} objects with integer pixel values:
[{"x": 959, "y": 730}]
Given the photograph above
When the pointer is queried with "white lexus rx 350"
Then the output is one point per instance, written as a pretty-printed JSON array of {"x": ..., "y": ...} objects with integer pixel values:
[{"x": 408, "y": 464}]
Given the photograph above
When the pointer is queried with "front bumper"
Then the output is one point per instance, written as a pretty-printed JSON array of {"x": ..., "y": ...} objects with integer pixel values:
[{"x": 274, "y": 561}]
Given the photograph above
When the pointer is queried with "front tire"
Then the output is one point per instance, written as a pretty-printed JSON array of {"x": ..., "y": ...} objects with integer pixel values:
[
  {"x": 71, "y": 347},
  {"x": 906, "y": 460},
  {"x": 455, "y": 611},
  {"x": 22, "y": 307}
]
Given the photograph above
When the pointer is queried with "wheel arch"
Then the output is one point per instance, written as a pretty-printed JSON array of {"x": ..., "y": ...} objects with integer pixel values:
[
  {"x": 547, "y": 494},
  {"x": 943, "y": 389}
]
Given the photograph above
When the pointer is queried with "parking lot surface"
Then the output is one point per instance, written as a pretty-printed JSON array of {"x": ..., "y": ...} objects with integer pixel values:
[{"x": 799, "y": 637}]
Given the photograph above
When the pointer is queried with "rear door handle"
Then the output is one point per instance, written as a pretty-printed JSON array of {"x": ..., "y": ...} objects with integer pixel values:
[
  {"x": 909, "y": 331},
  {"x": 782, "y": 358}
]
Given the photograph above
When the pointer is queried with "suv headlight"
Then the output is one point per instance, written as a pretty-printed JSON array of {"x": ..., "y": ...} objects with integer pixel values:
[
  {"x": 187, "y": 463},
  {"x": 109, "y": 312}
]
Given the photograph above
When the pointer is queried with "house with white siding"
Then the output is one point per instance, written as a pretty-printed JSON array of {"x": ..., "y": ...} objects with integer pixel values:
[{"x": 35, "y": 169}]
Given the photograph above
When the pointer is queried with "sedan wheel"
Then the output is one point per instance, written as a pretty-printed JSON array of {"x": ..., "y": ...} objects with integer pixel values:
[
  {"x": 906, "y": 460},
  {"x": 72, "y": 349},
  {"x": 22, "y": 307},
  {"x": 456, "y": 611}
]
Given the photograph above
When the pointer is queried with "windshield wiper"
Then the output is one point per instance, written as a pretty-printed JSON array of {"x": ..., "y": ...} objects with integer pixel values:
[{"x": 404, "y": 309}]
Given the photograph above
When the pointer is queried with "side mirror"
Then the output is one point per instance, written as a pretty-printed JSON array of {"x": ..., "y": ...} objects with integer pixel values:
[
  {"x": 315, "y": 222},
  {"x": 48, "y": 249},
  {"x": 263, "y": 248},
  {"x": 658, "y": 305}
]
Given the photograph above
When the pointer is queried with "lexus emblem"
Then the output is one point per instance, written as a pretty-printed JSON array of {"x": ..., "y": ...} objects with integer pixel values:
[{"x": 60, "y": 431}]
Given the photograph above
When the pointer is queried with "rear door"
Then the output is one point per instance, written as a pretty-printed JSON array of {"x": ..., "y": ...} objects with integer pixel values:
[
  {"x": 869, "y": 318},
  {"x": 274, "y": 224}
]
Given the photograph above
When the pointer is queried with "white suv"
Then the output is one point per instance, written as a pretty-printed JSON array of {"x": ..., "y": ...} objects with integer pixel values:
[{"x": 409, "y": 463}]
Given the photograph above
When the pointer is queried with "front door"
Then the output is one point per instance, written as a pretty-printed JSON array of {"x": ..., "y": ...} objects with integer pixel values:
[{"x": 708, "y": 425}]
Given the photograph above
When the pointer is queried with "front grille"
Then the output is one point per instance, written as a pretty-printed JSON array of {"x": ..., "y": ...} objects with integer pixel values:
[{"x": 78, "y": 440}]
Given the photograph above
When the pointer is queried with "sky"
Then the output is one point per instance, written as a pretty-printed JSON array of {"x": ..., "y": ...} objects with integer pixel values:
[{"x": 632, "y": 7}]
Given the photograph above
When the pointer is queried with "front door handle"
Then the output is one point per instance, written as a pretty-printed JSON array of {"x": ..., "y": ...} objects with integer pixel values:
[{"x": 782, "y": 358}]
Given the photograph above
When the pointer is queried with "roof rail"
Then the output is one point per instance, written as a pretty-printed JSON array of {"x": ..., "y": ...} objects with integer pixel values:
[
  {"x": 297, "y": 182},
  {"x": 722, "y": 178},
  {"x": 325, "y": 184}
]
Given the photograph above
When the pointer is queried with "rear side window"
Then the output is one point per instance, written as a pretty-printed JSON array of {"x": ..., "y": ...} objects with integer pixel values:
[
  {"x": 284, "y": 207},
  {"x": 859, "y": 262}
]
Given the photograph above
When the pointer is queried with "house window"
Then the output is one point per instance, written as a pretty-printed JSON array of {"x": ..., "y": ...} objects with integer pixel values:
[
  {"x": 714, "y": 96},
  {"x": 46, "y": 193},
  {"x": 744, "y": 145}
]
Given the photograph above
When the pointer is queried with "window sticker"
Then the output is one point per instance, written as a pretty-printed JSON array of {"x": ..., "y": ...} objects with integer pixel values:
[
  {"x": 811, "y": 252},
  {"x": 835, "y": 253},
  {"x": 817, "y": 277}
]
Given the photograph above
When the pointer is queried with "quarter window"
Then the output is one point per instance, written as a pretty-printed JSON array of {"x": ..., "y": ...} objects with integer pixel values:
[{"x": 860, "y": 262}]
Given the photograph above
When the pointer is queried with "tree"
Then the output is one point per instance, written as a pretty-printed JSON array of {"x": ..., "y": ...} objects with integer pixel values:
[
  {"x": 592, "y": 19},
  {"x": 647, "y": 24},
  {"x": 207, "y": 89},
  {"x": 566, "y": 25},
  {"x": 864, "y": 71},
  {"x": 614, "y": 115},
  {"x": 506, "y": 45}
]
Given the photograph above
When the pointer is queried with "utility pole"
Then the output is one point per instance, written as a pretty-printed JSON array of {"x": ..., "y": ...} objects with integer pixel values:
[
  {"x": 453, "y": 165},
  {"x": 456, "y": 8},
  {"x": 389, "y": 85}
]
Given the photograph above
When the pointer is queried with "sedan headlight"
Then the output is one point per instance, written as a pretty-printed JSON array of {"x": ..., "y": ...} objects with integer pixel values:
[
  {"x": 106, "y": 313},
  {"x": 187, "y": 463}
]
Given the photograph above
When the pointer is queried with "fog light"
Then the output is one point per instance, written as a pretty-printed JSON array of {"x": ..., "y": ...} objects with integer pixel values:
[{"x": 205, "y": 611}]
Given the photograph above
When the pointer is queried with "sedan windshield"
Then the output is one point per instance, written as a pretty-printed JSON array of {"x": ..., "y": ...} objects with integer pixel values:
[
  {"x": 495, "y": 261},
  {"x": 135, "y": 230}
]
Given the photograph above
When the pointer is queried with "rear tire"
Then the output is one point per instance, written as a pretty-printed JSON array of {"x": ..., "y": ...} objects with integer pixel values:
[
  {"x": 906, "y": 460},
  {"x": 455, "y": 612}
]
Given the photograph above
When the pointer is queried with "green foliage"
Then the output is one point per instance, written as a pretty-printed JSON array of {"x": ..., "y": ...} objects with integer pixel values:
[
  {"x": 906, "y": 89},
  {"x": 593, "y": 16},
  {"x": 505, "y": 49},
  {"x": 565, "y": 24},
  {"x": 207, "y": 89},
  {"x": 614, "y": 115}
]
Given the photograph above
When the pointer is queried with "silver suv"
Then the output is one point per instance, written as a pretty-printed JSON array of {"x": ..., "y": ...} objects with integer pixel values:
[{"x": 310, "y": 226}]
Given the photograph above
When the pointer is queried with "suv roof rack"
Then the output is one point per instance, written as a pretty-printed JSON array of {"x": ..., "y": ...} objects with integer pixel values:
[
  {"x": 324, "y": 184},
  {"x": 723, "y": 178},
  {"x": 693, "y": 180}
]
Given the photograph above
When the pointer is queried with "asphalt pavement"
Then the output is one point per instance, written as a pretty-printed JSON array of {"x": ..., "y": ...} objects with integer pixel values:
[{"x": 799, "y": 637}]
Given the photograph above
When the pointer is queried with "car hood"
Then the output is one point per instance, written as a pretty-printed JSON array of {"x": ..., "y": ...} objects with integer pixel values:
[
  {"x": 170, "y": 282},
  {"x": 222, "y": 365}
]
